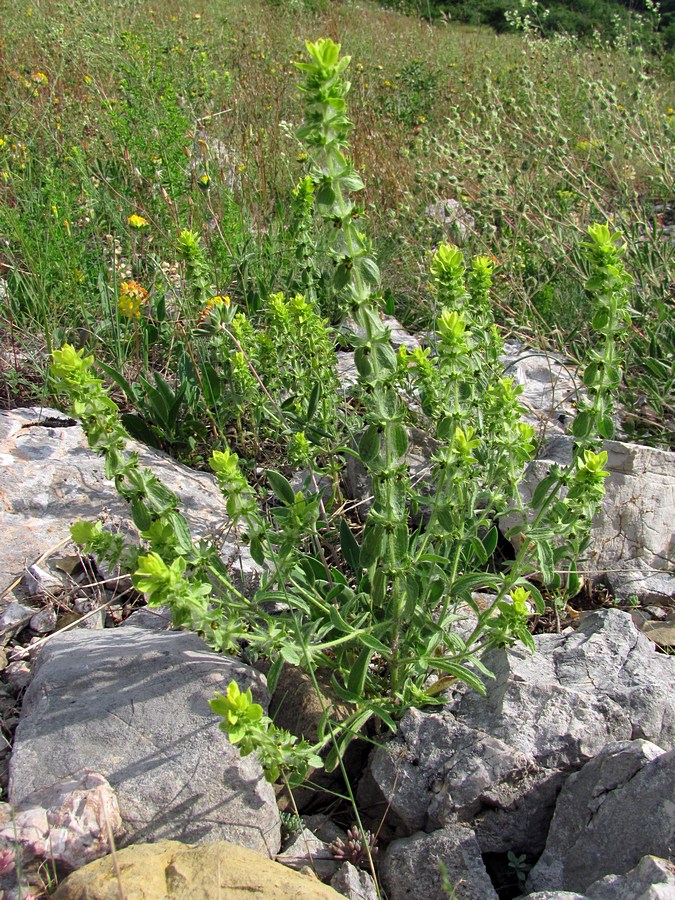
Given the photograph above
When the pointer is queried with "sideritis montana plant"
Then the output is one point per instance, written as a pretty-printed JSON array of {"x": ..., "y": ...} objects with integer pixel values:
[{"x": 373, "y": 608}]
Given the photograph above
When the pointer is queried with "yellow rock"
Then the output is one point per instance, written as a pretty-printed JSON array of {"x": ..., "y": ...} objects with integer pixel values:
[{"x": 170, "y": 870}]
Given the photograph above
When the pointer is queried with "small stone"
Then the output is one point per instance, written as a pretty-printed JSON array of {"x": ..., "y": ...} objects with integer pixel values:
[
  {"x": 40, "y": 581},
  {"x": 662, "y": 633},
  {"x": 15, "y": 614},
  {"x": 354, "y": 883},
  {"x": 44, "y": 621},
  {"x": 18, "y": 674},
  {"x": 305, "y": 849}
]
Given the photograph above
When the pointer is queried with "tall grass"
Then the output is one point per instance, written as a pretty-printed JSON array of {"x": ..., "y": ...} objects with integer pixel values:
[{"x": 186, "y": 116}]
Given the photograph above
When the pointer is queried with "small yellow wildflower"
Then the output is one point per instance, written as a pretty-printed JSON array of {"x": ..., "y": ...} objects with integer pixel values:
[
  {"x": 214, "y": 303},
  {"x": 204, "y": 181},
  {"x": 132, "y": 297},
  {"x": 137, "y": 221},
  {"x": 39, "y": 78},
  {"x": 3, "y": 143}
]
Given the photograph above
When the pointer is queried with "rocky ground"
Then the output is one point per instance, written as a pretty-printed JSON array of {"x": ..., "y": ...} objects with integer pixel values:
[{"x": 558, "y": 785}]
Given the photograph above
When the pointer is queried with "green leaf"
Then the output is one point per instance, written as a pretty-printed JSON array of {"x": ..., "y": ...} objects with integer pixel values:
[
  {"x": 370, "y": 445},
  {"x": 372, "y": 546},
  {"x": 359, "y": 673},
  {"x": 211, "y": 384},
  {"x": 256, "y": 549},
  {"x": 541, "y": 491},
  {"x": 138, "y": 428},
  {"x": 350, "y": 549},
  {"x": 140, "y": 514},
  {"x": 399, "y": 437},
  {"x": 274, "y": 673},
  {"x": 545, "y": 557},
  {"x": 370, "y": 641},
  {"x": 281, "y": 487},
  {"x": 606, "y": 428},
  {"x": 338, "y": 622},
  {"x": 490, "y": 541},
  {"x": 582, "y": 427},
  {"x": 181, "y": 530}
]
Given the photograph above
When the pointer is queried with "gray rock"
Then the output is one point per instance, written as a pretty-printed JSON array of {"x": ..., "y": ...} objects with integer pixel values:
[
  {"x": 18, "y": 674},
  {"x": 133, "y": 705},
  {"x": 354, "y": 883},
  {"x": 498, "y": 762},
  {"x": 15, "y": 614},
  {"x": 306, "y": 849},
  {"x": 618, "y": 808},
  {"x": 37, "y": 580},
  {"x": 346, "y": 370},
  {"x": 49, "y": 478},
  {"x": 551, "y": 387},
  {"x": 652, "y": 879},
  {"x": 413, "y": 867},
  {"x": 555, "y": 895},
  {"x": 634, "y": 527},
  {"x": 44, "y": 621},
  {"x": 640, "y": 583},
  {"x": 453, "y": 218}
]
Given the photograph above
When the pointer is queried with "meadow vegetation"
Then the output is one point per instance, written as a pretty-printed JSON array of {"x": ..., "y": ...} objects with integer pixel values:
[{"x": 174, "y": 212}]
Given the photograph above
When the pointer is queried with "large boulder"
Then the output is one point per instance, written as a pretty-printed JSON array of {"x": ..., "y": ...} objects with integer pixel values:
[
  {"x": 618, "y": 808},
  {"x": 133, "y": 705},
  {"x": 497, "y": 763},
  {"x": 174, "y": 871},
  {"x": 49, "y": 478}
]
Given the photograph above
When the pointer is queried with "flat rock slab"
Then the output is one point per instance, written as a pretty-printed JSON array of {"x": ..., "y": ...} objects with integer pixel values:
[
  {"x": 133, "y": 705},
  {"x": 49, "y": 478},
  {"x": 172, "y": 871}
]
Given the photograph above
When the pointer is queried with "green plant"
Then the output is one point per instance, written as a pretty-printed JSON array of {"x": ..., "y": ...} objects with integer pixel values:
[{"x": 377, "y": 613}]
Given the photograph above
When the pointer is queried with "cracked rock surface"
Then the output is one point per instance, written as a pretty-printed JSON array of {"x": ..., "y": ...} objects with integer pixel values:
[
  {"x": 133, "y": 705},
  {"x": 498, "y": 763},
  {"x": 618, "y": 808},
  {"x": 49, "y": 478}
]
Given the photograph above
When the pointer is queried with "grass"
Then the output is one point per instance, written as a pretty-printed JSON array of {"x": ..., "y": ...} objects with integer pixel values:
[{"x": 187, "y": 117}]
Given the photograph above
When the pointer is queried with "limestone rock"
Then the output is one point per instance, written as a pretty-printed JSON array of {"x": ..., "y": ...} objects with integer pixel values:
[
  {"x": 307, "y": 850},
  {"x": 133, "y": 705},
  {"x": 66, "y": 822},
  {"x": 354, "y": 883},
  {"x": 555, "y": 895},
  {"x": 452, "y": 217},
  {"x": 413, "y": 867},
  {"x": 618, "y": 808},
  {"x": 175, "y": 871},
  {"x": 49, "y": 478},
  {"x": 634, "y": 527},
  {"x": 551, "y": 387},
  {"x": 498, "y": 762},
  {"x": 652, "y": 879},
  {"x": 645, "y": 585}
]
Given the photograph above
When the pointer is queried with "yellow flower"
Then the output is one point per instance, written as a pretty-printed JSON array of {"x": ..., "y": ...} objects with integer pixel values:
[
  {"x": 39, "y": 78},
  {"x": 137, "y": 221},
  {"x": 132, "y": 297},
  {"x": 213, "y": 304}
]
